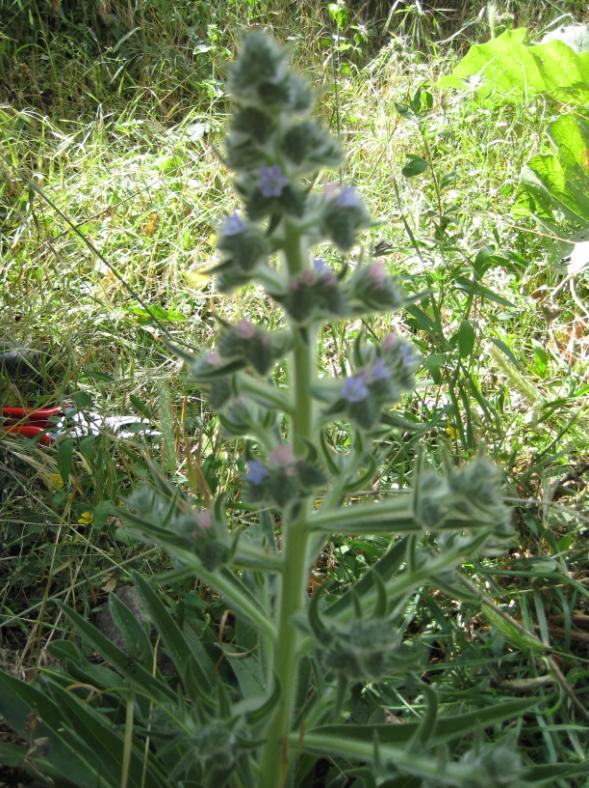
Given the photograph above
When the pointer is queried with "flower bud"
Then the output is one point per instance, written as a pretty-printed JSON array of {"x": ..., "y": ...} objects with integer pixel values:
[
  {"x": 371, "y": 289},
  {"x": 362, "y": 649},
  {"x": 470, "y": 495},
  {"x": 342, "y": 216},
  {"x": 284, "y": 480},
  {"x": 244, "y": 244},
  {"x": 260, "y": 76},
  {"x": 308, "y": 147},
  {"x": 268, "y": 192},
  {"x": 248, "y": 134},
  {"x": 314, "y": 294},
  {"x": 248, "y": 344},
  {"x": 494, "y": 765}
]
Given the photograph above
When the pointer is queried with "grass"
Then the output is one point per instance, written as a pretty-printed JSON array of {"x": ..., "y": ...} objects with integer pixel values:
[{"x": 123, "y": 135}]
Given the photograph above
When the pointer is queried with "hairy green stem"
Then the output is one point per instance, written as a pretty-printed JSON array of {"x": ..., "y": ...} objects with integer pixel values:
[{"x": 274, "y": 758}]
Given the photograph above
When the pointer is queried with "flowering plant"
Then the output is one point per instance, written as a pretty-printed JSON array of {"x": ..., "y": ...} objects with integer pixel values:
[{"x": 281, "y": 699}]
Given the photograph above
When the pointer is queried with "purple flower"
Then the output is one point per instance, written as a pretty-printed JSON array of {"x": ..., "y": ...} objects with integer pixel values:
[
  {"x": 271, "y": 182},
  {"x": 233, "y": 225},
  {"x": 256, "y": 472},
  {"x": 354, "y": 389},
  {"x": 379, "y": 371},
  {"x": 347, "y": 198}
]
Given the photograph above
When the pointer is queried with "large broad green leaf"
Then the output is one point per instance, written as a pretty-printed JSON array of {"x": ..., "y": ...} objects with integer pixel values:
[
  {"x": 556, "y": 186},
  {"x": 508, "y": 69}
]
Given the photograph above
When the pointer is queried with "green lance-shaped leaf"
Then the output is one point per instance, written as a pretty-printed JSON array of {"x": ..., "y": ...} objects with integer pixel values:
[
  {"x": 95, "y": 729},
  {"x": 443, "y": 730},
  {"x": 235, "y": 593},
  {"x": 83, "y": 744},
  {"x": 381, "y": 607},
  {"x": 81, "y": 668},
  {"x": 139, "y": 677},
  {"x": 426, "y": 727},
  {"x": 22, "y": 705},
  {"x": 194, "y": 677},
  {"x": 132, "y": 630},
  {"x": 262, "y": 712},
  {"x": 385, "y": 567}
]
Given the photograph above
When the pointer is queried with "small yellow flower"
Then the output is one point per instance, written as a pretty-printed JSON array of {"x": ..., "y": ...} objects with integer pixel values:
[
  {"x": 452, "y": 432},
  {"x": 55, "y": 481},
  {"x": 86, "y": 518}
]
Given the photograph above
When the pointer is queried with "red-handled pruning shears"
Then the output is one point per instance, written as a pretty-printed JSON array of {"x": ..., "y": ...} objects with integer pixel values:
[
  {"x": 36, "y": 423},
  {"x": 30, "y": 422}
]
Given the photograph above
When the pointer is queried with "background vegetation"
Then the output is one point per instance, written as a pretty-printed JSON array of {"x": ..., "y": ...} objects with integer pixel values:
[{"x": 115, "y": 110}]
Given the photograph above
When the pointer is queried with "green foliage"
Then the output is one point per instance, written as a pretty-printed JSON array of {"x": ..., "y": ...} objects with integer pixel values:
[
  {"x": 555, "y": 186},
  {"x": 511, "y": 69}
]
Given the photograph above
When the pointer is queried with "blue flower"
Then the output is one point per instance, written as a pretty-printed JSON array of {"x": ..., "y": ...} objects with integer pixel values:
[
  {"x": 347, "y": 198},
  {"x": 256, "y": 472},
  {"x": 271, "y": 182},
  {"x": 233, "y": 225},
  {"x": 380, "y": 371},
  {"x": 322, "y": 270},
  {"x": 319, "y": 265},
  {"x": 354, "y": 389},
  {"x": 408, "y": 357}
]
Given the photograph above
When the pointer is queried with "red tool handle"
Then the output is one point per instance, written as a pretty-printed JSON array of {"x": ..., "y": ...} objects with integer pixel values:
[
  {"x": 31, "y": 414},
  {"x": 30, "y": 431}
]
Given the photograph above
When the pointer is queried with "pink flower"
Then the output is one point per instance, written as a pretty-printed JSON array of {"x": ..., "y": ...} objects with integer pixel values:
[
  {"x": 282, "y": 455},
  {"x": 331, "y": 190},
  {"x": 204, "y": 519},
  {"x": 377, "y": 274},
  {"x": 213, "y": 358},
  {"x": 245, "y": 329},
  {"x": 390, "y": 341}
]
